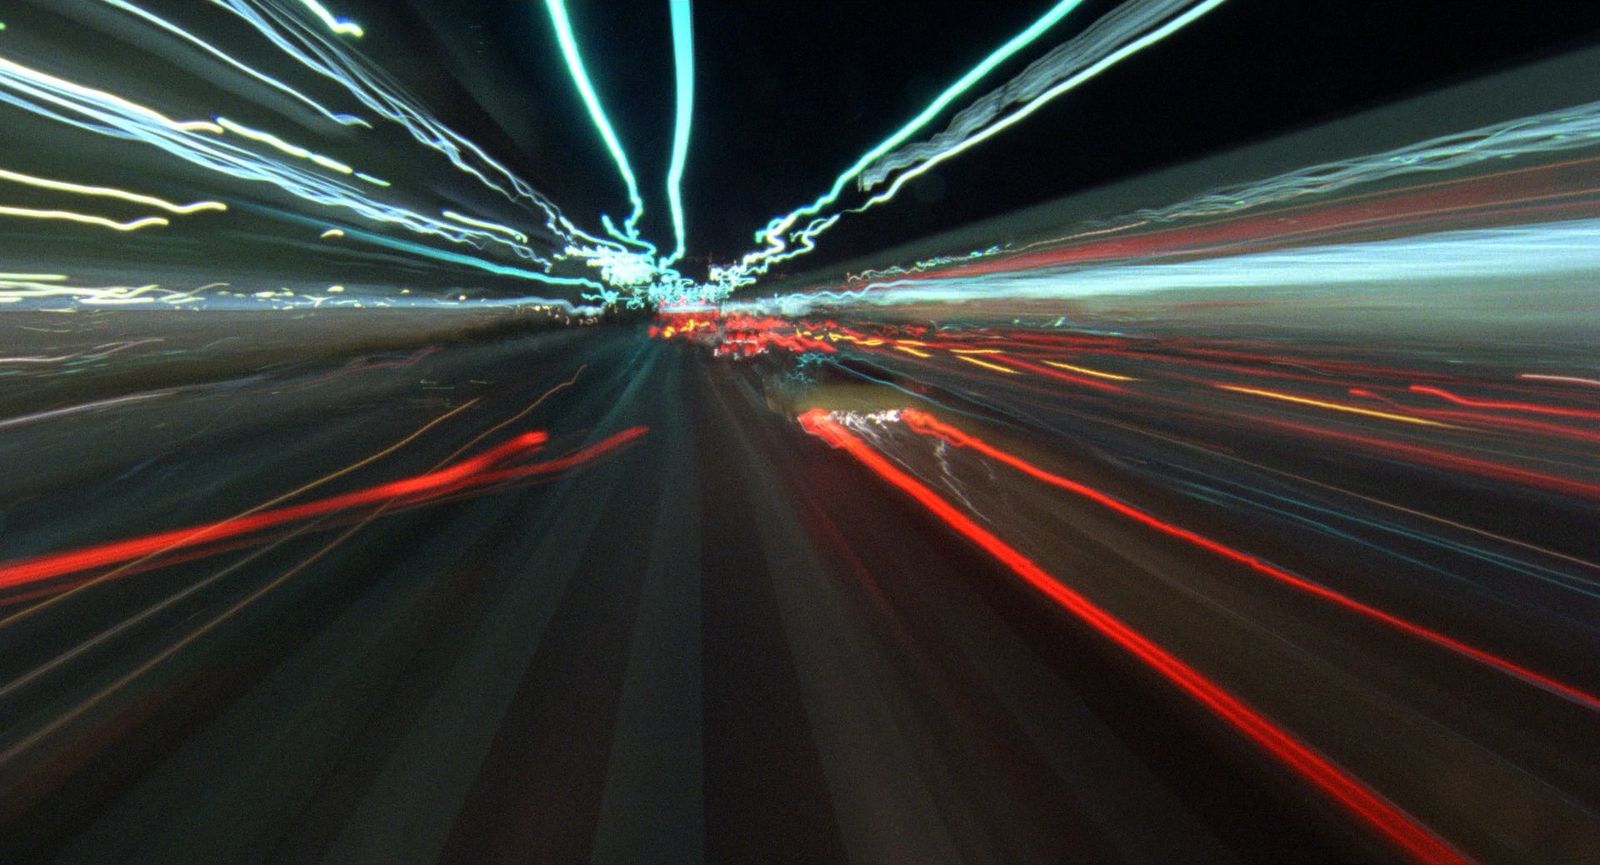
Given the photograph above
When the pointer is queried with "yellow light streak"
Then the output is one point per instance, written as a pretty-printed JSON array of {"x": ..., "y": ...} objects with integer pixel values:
[
  {"x": 342, "y": 26},
  {"x": 491, "y": 226},
  {"x": 86, "y": 219},
  {"x": 1336, "y": 406},
  {"x": 1094, "y": 372},
  {"x": 284, "y": 146},
  {"x": 109, "y": 192},
  {"x": 987, "y": 365}
]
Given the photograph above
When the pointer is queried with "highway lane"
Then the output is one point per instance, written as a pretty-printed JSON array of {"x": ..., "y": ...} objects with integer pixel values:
[
  {"x": 725, "y": 640},
  {"x": 380, "y": 588},
  {"x": 648, "y": 659},
  {"x": 1420, "y": 607}
]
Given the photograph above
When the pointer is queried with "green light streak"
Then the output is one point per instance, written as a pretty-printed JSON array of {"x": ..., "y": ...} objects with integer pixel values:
[
  {"x": 597, "y": 114},
  {"x": 952, "y": 93},
  {"x": 683, "y": 67}
]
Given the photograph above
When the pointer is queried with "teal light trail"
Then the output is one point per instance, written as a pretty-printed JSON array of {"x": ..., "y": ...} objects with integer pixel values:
[
  {"x": 683, "y": 67},
  {"x": 951, "y": 94},
  {"x": 1040, "y": 101},
  {"x": 597, "y": 114}
]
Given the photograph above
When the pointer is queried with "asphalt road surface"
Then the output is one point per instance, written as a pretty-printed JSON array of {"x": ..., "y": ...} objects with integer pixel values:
[{"x": 587, "y": 595}]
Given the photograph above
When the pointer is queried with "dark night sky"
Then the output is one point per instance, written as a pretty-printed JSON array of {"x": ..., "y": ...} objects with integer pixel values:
[{"x": 791, "y": 93}]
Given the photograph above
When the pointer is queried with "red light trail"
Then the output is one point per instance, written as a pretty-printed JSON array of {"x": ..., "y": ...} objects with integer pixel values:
[
  {"x": 1383, "y": 817},
  {"x": 470, "y": 473},
  {"x": 925, "y": 424}
]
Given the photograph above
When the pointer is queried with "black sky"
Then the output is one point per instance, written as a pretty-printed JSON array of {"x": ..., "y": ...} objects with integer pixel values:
[{"x": 789, "y": 93}]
